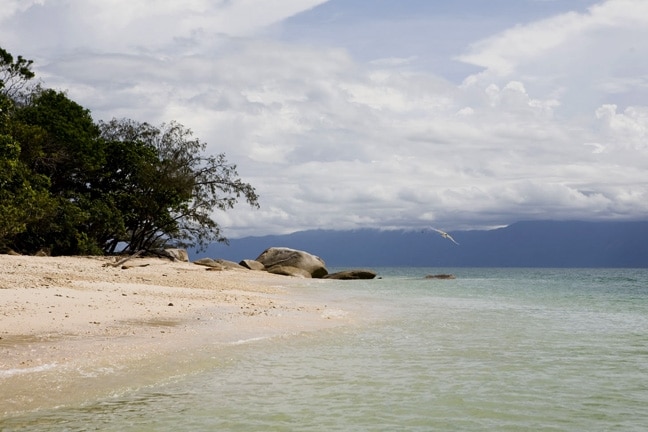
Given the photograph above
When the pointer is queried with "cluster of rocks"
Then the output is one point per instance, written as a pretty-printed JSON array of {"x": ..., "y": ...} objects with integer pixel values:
[{"x": 287, "y": 262}]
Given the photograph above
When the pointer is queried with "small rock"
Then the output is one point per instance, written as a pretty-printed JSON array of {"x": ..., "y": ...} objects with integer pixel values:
[
  {"x": 252, "y": 264},
  {"x": 352, "y": 274},
  {"x": 441, "y": 276}
]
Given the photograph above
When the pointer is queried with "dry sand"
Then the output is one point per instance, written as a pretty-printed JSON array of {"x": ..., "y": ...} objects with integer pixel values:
[{"x": 74, "y": 328}]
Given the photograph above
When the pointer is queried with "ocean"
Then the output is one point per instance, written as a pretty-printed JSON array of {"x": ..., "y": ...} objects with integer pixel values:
[{"x": 494, "y": 349}]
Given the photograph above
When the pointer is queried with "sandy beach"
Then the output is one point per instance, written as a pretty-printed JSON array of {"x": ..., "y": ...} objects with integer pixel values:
[{"x": 76, "y": 328}]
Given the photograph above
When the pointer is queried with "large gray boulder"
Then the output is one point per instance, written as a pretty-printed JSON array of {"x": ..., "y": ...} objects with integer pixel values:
[{"x": 286, "y": 257}]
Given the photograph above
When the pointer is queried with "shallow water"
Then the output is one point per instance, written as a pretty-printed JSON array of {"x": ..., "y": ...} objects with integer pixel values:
[{"x": 494, "y": 349}]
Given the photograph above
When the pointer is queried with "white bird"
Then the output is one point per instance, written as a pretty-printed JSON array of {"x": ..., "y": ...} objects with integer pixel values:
[{"x": 445, "y": 235}]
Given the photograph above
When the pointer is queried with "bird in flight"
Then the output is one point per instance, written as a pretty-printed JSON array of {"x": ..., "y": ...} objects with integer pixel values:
[{"x": 445, "y": 235}]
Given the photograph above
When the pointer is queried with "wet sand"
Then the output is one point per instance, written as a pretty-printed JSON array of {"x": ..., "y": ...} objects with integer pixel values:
[{"x": 73, "y": 329}]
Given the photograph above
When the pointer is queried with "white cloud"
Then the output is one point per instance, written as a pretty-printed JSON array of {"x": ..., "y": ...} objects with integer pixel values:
[
  {"x": 583, "y": 58},
  {"x": 502, "y": 54},
  {"x": 143, "y": 26},
  {"x": 12, "y": 7},
  {"x": 627, "y": 130}
]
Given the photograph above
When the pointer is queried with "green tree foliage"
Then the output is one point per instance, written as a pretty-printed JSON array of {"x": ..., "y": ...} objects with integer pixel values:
[
  {"x": 73, "y": 186},
  {"x": 165, "y": 186},
  {"x": 23, "y": 197},
  {"x": 64, "y": 143},
  {"x": 23, "y": 194},
  {"x": 14, "y": 75},
  {"x": 59, "y": 141}
]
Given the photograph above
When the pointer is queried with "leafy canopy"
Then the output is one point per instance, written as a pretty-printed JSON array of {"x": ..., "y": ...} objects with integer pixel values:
[
  {"x": 165, "y": 184},
  {"x": 73, "y": 186},
  {"x": 14, "y": 75}
]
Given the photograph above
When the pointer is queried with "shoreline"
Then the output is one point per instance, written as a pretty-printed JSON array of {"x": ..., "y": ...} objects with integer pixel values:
[{"x": 73, "y": 330}]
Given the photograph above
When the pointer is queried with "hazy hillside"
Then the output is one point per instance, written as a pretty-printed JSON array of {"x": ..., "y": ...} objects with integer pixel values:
[{"x": 523, "y": 244}]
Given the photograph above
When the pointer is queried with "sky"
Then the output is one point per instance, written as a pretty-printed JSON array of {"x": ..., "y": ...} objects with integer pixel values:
[{"x": 348, "y": 114}]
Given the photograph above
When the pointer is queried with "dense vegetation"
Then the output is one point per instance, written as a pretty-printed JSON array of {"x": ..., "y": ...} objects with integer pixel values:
[{"x": 70, "y": 185}]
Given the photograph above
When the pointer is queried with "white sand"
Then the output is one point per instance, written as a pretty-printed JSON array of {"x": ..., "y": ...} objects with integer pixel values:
[{"x": 73, "y": 328}]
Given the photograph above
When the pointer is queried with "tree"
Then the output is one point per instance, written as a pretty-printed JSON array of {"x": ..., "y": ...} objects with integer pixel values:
[
  {"x": 14, "y": 75},
  {"x": 21, "y": 202},
  {"x": 73, "y": 186},
  {"x": 59, "y": 142},
  {"x": 165, "y": 186},
  {"x": 23, "y": 196}
]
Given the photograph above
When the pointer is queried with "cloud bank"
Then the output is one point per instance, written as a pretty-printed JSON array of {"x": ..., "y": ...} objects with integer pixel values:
[{"x": 553, "y": 125}]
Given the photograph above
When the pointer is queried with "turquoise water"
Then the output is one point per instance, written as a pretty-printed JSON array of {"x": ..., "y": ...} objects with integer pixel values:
[{"x": 494, "y": 349}]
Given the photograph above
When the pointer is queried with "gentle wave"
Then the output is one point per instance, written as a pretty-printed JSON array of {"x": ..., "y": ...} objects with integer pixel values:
[
  {"x": 250, "y": 340},
  {"x": 6, "y": 373}
]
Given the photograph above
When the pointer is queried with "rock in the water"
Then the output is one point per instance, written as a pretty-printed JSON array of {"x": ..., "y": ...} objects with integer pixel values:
[
  {"x": 441, "y": 276},
  {"x": 352, "y": 274},
  {"x": 252, "y": 264},
  {"x": 282, "y": 256},
  {"x": 289, "y": 271}
]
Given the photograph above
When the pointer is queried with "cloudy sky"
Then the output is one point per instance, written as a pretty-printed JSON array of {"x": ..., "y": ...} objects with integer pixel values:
[{"x": 348, "y": 114}]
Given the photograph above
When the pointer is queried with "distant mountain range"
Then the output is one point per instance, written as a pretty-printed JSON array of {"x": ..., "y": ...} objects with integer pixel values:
[{"x": 522, "y": 244}]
